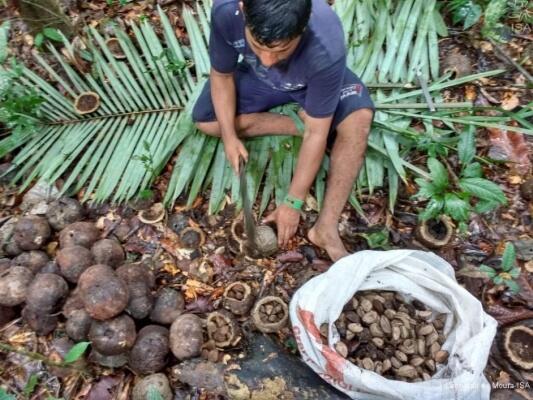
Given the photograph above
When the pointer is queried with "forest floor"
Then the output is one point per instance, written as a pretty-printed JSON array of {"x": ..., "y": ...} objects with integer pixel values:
[{"x": 463, "y": 52}]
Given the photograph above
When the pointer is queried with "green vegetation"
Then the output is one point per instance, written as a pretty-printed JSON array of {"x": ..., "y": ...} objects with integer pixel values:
[
  {"x": 507, "y": 272},
  {"x": 455, "y": 195},
  {"x": 116, "y": 152}
]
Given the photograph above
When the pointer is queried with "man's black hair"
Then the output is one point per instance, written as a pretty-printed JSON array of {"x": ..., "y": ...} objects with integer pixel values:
[{"x": 272, "y": 21}]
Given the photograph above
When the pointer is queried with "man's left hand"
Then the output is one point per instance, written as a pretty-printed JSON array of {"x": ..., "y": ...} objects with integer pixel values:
[{"x": 286, "y": 219}]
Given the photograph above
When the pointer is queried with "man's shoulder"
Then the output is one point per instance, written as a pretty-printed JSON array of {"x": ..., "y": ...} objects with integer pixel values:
[
  {"x": 327, "y": 31},
  {"x": 225, "y": 8}
]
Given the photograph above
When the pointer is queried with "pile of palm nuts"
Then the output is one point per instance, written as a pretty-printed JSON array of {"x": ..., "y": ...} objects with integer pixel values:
[
  {"x": 60, "y": 272},
  {"x": 382, "y": 332}
]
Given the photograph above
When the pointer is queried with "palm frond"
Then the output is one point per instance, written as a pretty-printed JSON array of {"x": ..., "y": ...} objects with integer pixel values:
[{"x": 146, "y": 99}]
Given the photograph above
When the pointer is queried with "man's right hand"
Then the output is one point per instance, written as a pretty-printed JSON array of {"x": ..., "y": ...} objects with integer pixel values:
[{"x": 234, "y": 149}]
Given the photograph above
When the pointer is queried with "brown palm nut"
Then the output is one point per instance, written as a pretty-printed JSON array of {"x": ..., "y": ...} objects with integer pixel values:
[
  {"x": 73, "y": 261},
  {"x": 104, "y": 295},
  {"x": 108, "y": 252},
  {"x": 169, "y": 305},
  {"x": 113, "y": 336},
  {"x": 149, "y": 353},
  {"x": 74, "y": 302},
  {"x": 31, "y": 232},
  {"x": 156, "y": 382},
  {"x": 116, "y": 361},
  {"x": 34, "y": 260},
  {"x": 78, "y": 325},
  {"x": 78, "y": 234},
  {"x": 40, "y": 322},
  {"x": 46, "y": 292},
  {"x": 238, "y": 298},
  {"x": 14, "y": 283},
  {"x": 186, "y": 336},
  {"x": 63, "y": 212},
  {"x": 138, "y": 278}
]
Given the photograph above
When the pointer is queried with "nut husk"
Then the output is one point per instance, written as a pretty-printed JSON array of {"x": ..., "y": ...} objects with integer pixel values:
[
  {"x": 238, "y": 298},
  {"x": 223, "y": 329},
  {"x": 87, "y": 102},
  {"x": 262, "y": 323}
]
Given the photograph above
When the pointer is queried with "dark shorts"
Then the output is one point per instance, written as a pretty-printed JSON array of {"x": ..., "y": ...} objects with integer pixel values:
[{"x": 255, "y": 96}]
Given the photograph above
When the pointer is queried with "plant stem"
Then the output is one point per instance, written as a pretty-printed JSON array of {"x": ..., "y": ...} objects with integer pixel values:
[
  {"x": 37, "y": 356},
  {"x": 508, "y": 59},
  {"x": 402, "y": 106},
  {"x": 455, "y": 179}
]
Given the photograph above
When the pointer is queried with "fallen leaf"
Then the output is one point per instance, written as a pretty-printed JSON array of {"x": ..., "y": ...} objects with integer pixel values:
[
  {"x": 103, "y": 388},
  {"x": 510, "y": 101},
  {"x": 510, "y": 146}
]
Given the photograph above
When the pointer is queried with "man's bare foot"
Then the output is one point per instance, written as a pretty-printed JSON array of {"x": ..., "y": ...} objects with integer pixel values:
[{"x": 328, "y": 240}]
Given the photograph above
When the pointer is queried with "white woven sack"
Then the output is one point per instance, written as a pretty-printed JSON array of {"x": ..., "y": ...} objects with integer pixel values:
[{"x": 415, "y": 274}]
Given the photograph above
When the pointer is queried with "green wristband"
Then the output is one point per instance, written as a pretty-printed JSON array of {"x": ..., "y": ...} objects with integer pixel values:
[{"x": 293, "y": 202}]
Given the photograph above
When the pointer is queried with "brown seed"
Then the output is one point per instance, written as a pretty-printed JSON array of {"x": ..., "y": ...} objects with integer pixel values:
[
  {"x": 272, "y": 318},
  {"x": 400, "y": 356},
  {"x": 424, "y": 314},
  {"x": 421, "y": 346},
  {"x": 376, "y": 331},
  {"x": 433, "y": 349},
  {"x": 352, "y": 317},
  {"x": 366, "y": 305},
  {"x": 386, "y": 365},
  {"x": 324, "y": 330},
  {"x": 389, "y": 313},
  {"x": 355, "y": 303},
  {"x": 378, "y": 367},
  {"x": 407, "y": 371},
  {"x": 378, "y": 306},
  {"x": 395, "y": 362},
  {"x": 409, "y": 345},
  {"x": 416, "y": 361},
  {"x": 425, "y": 330},
  {"x": 396, "y": 333},
  {"x": 426, "y": 376},
  {"x": 441, "y": 339},
  {"x": 430, "y": 364},
  {"x": 355, "y": 328},
  {"x": 385, "y": 325},
  {"x": 370, "y": 317},
  {"x": 431, "y": 338},
  {"x": 213, "y": 355},
  {"x": 349, "y": 335},
  {"x": 269, "y": 308},
  {"x": 342, "y": 349},
  {"x": 404, "y": 332},
  {"x": 441, "y": 356},
  {"x": 368, "y": 363},
  {"x": 378, "y": 342}
]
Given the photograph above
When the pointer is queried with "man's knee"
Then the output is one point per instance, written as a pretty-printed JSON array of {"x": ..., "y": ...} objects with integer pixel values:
[
  {"x": 210, "y": 128},
  {"x": 359, "y": 120}
]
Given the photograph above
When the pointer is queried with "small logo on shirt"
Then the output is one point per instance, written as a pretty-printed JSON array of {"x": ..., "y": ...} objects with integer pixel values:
[
  {"x": 351, "y": 90},
  {"x": 238, "y": 44}
]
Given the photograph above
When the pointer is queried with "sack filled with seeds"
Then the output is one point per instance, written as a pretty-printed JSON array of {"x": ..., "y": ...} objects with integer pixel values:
[{"x": 394, "y": 325}]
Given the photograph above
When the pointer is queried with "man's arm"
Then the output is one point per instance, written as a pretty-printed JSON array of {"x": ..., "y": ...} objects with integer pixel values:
[
  {"x": 224, "y": 98},
  {"x": 223, "y": 59}
]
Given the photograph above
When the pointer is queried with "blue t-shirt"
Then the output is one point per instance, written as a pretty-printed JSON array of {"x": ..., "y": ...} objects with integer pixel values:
[{"x": 316, "y": 66}]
